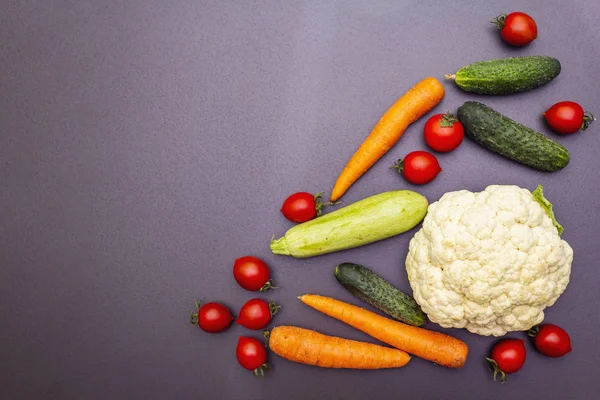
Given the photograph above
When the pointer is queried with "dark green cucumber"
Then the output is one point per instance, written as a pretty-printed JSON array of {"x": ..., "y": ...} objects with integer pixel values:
[
  {"x": 373, "y": 289},
  {"x": 506, "y": 75},
  {"x": 510, "y": 139}
]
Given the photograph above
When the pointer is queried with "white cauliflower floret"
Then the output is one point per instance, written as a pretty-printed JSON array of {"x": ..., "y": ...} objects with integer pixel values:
[{"x": 489, "y": 262}]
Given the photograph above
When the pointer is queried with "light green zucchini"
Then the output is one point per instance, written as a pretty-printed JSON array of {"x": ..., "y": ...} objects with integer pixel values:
[{"x": 375, "y": 218}]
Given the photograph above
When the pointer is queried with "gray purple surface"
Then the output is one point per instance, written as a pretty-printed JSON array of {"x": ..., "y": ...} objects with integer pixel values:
[{"x": 146, "y": 144}]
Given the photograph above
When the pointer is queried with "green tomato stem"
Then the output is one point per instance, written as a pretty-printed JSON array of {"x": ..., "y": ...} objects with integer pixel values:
[
  {"x": 500, "y": 20},
  {"x": 588, "y": 118},
  {"x": 533, "y": 331},
  {"x": 399, "y": 165},
  {"x": 268, "y": 285},
  {"x": 260, "y": 371},
  {"x": 273, "y": 308},
  {"x": 194, "y": 316},
  {"x": 493, "y": 366}
]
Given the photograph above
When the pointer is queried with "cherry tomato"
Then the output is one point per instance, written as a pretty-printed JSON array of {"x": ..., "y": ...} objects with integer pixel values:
[
  {"x": 302, "y": 206},
  {"x": 551, "y": 340},
  {"x": 419, "y": 167},
  {"x": 508, "y": 356},
  {"x": 252, "y": 355},
  {"x": 212, "y": 317},
  {"x": 443, "y": 132},
  {"x": 568, "y": 117},
  {"x": 256, "y": 314},
  {"x": 252, "y": 274},
  {"x": 517, "y": 28}
]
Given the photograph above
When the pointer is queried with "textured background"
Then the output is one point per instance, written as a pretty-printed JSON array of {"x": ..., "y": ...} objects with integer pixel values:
[{"x": 146, "y": 144}]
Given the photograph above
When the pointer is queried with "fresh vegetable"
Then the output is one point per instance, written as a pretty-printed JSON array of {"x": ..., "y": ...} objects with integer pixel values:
[
  {"x": 418, "y": 167},
  {"x": 506, "y": 75},
  {"x": 302, "y": 206},
  {"x": 313, "y": 348},
  {"x": 568, "y": 117},
  {"x": 517, "y": 28},
  {"x": 374, "y": 218},
  {"x": 257, "y": 313},
  {"x": 508, "y": 356},
  {"x": 376, "y": 291},
  {"x": 211, "y": 317},
  {"x": 252, "y": 355},
  {"x": 551, "y": 340},
  {"x": 438, "y": 347},
  {"x": 443, "y": 132},
  {"x": 252, "y": 274},
  {"x": 510, "y": 139},
  {"x": 489, "y": 262},
  {"x": 418, "y": 101}
]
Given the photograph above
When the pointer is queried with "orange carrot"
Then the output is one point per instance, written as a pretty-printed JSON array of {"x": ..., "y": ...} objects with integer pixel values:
[
  {"x": 407, "y": 109},
  {"x": 313, "y": 348},
  {"x": 433, "y": 346}
]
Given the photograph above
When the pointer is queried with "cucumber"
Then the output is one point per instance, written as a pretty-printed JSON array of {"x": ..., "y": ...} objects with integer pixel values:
[
  {"x": 506, "y": 75},
  {"x": 374, "y": 218},
  {"x": 376, "y": 291},
  {"x": 510, "y": 139}
]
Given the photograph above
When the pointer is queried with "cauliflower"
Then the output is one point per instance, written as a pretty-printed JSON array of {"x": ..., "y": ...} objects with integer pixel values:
[{"x": 489, "y": 262}]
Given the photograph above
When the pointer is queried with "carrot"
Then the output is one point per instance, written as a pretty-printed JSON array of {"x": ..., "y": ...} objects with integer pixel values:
[
  {"x": 407, "y": 109},
  {"x": 433, "y": 346},
  {"x": 313, "y": 348}
]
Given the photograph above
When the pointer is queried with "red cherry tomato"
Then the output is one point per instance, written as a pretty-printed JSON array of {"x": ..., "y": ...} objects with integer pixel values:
[
  {"x": 302, "y": 206},
  {"x": 508, "y": 356},
  {"x": 212, "y": 317},
  {"x": 443, "y": 132},
  {"x": 252, "y": 355},
  {"x": 568, "y": 117},
  {"x": 256, "y": 314},
  {"x": 517, "y": 28},
  {"x": 419, "y": 167},
  {"x": 252, "y": 274},
  {"x": 551, "y": 340}
]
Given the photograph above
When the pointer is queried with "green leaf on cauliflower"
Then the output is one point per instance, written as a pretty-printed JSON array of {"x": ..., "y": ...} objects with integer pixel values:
[{"x": 538, "y": 195}]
